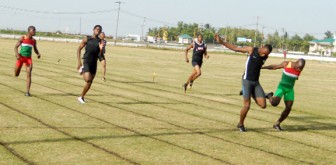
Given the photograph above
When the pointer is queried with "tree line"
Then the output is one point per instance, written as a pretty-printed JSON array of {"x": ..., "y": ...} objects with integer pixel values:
[{"x": 277, "y": 40}]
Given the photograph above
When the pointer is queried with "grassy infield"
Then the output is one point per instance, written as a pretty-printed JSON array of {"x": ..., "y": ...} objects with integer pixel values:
[{"x": 130, "y": 120}]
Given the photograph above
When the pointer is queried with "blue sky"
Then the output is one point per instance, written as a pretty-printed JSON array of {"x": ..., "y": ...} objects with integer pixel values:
[{"x": 295, "y": 16}]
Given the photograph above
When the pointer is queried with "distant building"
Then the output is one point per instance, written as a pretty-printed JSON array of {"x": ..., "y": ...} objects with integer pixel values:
[
  {"x": 324, "y": 47},
  {"x": 185, "y": 39},
  {"x": 243, "y": 39},
  {"x": 151, "y": 39},
  {"x": 134, "y": 37}
]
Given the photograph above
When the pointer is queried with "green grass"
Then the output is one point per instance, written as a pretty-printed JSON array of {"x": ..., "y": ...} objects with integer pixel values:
[{"x": 131, "y": 120}]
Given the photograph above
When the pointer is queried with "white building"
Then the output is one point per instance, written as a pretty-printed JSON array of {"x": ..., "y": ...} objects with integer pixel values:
[
  {"x": 324, "y": 47},
  {"x": 134, "y": 37},
  {"x": 185, "y": 39}
]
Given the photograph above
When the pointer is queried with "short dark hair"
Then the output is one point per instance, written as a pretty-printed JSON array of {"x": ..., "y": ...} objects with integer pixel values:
[
  {"x": 99, "y": 27},
  {"x": 31, "y": 27},
  {"x": 303, "y": 62},
  {"x": 269, "y": 47}
]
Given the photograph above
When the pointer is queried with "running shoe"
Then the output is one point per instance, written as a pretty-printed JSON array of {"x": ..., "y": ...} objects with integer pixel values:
[
  {"x": 241, "y": 128},
  {"x": 81, "y": 100},
  {"x": 277, "y": 127},
  {"x": 268, "y": 95}
]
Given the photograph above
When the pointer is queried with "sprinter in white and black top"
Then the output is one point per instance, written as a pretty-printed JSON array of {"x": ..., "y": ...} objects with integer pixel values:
[
  {"x": 199, "y": 50},
  {"x": 250, "y": 81}
]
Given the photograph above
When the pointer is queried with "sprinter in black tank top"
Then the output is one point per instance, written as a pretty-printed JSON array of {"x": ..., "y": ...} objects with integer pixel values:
[
  {"x": 250, "y": 81},
  {"x": 199, "y": 50},
  {"x": 93, "y": 47}
]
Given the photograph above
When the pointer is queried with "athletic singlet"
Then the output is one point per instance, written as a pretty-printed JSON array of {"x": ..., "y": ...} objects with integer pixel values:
[
  {"x": 253, "y": 65},
  {"x": 92, "y": 49},
  {"x": 198, "y": 51},
  {"x": 27, "y": 46},
  {"x": 289, "y": 76}
]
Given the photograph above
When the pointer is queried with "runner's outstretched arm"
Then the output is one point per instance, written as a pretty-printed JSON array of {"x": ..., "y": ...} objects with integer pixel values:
[
  {"x": 247, "y": 49},
  {"x": 274, "y": 67}
]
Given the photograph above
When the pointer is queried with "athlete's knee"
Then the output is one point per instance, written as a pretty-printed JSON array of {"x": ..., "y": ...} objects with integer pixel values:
[
  {"x": 263, "y": 106},
  {"x": 89, "y": 81},
  {"x": 199, "y": 73},
  {"x": 288, "y": 109},
  {"x": 246, "y": 106},
  {"x": 274, "y": 104}
]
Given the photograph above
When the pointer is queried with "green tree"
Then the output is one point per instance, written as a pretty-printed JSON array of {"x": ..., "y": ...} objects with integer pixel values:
[
  {"x": 328, "y": 34},
  {"x": 295, "y": 43}
]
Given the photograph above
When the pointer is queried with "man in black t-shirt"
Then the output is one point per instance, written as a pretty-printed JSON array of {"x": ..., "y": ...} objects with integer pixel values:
[{"x": 250, "y": 80}]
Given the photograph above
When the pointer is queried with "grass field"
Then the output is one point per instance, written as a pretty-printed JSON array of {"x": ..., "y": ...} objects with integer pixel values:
[{"x": 131, "y": 120}]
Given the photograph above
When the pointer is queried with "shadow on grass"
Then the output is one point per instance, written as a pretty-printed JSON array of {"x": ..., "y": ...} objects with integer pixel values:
[
  {"x": 134, "y": 82},
  {"x": 150, "y": 103},
  {"x": 297, "y": 128},
  {"x": 120, "y": 136},
  {"x": 70, "y": 94}
]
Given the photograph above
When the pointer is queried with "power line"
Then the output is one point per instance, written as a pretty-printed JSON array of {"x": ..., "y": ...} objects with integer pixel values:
[
  {"x": 57, "y": 12},
  {"x": 147, "y": 18}
]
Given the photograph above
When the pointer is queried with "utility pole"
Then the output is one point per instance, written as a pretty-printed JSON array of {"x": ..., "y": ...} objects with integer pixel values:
[
  {"x": 116, "y": 36},
  {"x": 283, "y": 40},
  {"x": 142, "y": 27},
  {"x": 255, "y": 34}
]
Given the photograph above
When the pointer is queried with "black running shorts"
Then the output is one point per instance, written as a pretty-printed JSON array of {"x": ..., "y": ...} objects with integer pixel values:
[
  {"x": 90, "y": 67},
  {"x": 196, "y": 62}
]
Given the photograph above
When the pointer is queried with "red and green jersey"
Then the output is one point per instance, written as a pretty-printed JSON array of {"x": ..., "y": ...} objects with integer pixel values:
[
  {"x": 27, "y": 46},
  {"x": 289, "y": 76}
]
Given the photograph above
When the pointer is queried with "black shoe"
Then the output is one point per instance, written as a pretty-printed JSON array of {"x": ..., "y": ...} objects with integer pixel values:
[
  {"x": 27, "y": 94},
  {"x": 277, "y": 127},
  {"x": 191, "y": 84},
  {"x": 268, "y": 95},
  {"x": 241, "y": 128},
  {"x": 185, "y": 86},
  {"x": 241, "y": 92}
]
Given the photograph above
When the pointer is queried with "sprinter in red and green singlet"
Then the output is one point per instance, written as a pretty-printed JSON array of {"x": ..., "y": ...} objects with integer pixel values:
[
  {"x": 27, "y": 43},
  {"x": 291, "y": 73}
]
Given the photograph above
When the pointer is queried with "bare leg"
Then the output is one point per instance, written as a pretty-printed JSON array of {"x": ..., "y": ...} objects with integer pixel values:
[
  {"x": 17, "y": 70},
  {"x": 198, "y": 73},
  {"x": 29, "y": 69},
  {"x": 185, "y": 85},
  {"x": 285, "y": 113},
  {"x": 104, "y": 68},
  {"x": 88, "y": 78},
  {"x": 261, "y": 101},
  {"x": 243, "y": 112},
  {"x": 274, "y": 101},
  {"x": 193, "y": 73}
]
